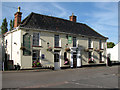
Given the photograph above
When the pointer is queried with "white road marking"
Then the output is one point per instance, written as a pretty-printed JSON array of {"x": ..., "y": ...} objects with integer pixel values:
[{"x": 90, "y": 85}]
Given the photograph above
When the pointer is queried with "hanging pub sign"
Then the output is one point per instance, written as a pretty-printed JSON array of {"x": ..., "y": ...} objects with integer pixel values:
[{"x": 69, "y": 39}]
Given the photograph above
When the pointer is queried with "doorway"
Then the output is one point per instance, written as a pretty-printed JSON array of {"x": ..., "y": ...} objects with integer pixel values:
[
  {"x": 74, "y": 60},
  {"x": 56, "y": 60},
  {"x": 36, "y": 58}
]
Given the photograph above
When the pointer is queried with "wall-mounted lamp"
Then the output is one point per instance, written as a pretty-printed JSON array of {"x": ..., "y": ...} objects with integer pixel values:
[
  {"x": 47, "y": 44},
  {"x": 15, "y": 43},
  {"x": 66, "y": 45}
]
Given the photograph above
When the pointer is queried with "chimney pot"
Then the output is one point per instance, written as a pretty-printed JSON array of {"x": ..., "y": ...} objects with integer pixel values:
[
  {"x": 17, "y": 19},
  {"x": 72, "y": 18},
  {"x": 18, "y": 9},
  {"x": 72, "y": 14}
]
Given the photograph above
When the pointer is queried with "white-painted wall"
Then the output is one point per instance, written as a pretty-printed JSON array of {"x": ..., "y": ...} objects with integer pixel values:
[
  {"x": 16, "y": 42},
  {"x": 114, "y": 56},
  {"x": 13, "y": 46}
]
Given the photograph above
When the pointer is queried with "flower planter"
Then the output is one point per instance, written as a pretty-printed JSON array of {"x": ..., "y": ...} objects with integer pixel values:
[
  {"x": 91, "y": 60},
  {"x": 66, "y": 63},
  {"x": 99, "y": 50},
  {"x": 22, "y": 48},
  {"x": 36, "y": 64},
  {"x": 67, "y": 49},
  {"x": 49, "y": 49}
]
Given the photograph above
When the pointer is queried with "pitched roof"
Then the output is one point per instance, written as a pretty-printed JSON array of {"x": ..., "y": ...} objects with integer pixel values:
[{"x": 38, "y": 21}]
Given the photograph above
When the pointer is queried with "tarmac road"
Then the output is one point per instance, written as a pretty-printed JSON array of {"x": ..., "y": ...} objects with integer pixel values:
[{"x": 86, "y": 77}]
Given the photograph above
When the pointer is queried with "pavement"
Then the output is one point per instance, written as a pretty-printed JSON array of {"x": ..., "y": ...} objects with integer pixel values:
[
  {"x": 34, "y": 70},
  {"x": 86, "y": 77}
]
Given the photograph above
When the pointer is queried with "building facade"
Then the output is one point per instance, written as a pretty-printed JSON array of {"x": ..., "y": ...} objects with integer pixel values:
[
  {"x": 41, "y": 40},
  {"x": 113, "y": 53}
]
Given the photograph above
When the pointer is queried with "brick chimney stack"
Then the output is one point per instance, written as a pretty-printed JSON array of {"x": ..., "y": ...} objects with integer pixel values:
[
  {"x": 72, "y": 18},
  {"x": 18, "y": 16}
]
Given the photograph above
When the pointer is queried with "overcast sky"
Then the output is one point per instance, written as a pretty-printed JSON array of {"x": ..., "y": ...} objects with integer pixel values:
[{"x": 101, "y": 16}]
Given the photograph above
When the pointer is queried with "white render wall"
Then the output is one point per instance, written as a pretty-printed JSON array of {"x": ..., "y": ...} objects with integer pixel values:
[
  {"x": 8, "y": 47},
  {"x": 114, "y": 56},
  {"x": 13, "y": 46},
  {"x": 16, "y": 47},
  {"x": 26, "y": 61}
]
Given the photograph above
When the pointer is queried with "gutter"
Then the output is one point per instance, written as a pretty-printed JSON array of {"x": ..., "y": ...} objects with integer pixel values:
[{"x": 62, "y": 33}]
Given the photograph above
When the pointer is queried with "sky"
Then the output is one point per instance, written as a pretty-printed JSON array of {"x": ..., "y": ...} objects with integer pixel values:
[{"x": 101, "y": 16}]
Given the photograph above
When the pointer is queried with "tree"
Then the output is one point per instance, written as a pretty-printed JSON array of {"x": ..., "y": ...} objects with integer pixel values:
[
  {"x": 4, "y": 28},
  {"x": 13, "y": 23},
  {"x": 11, "y": 26},
  {"x": 110, "y": 44}
]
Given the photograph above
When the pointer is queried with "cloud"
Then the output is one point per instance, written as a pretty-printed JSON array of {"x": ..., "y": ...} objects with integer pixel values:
[
  {"x": 108, "y": 15},
  {"x": 104, "y": 19},
  {"x": 60, "y": 12}
]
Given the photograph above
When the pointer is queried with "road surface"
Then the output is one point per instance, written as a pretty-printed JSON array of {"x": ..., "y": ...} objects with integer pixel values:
[{"x": 86, "y": 77}]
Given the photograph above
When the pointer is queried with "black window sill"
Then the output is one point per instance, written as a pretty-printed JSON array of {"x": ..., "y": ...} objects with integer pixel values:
[
  {"x": 26, "y": 55},
  {"x": 57, "y": 47},
  {"x": 90, "y": 48},
  {"x": 101, "y": 49},
  {"x": 74, "y": 46},
  {"x": 36, "y": 46}
]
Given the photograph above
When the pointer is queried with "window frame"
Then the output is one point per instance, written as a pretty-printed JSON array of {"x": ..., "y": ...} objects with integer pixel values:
[
  {"x": 39, "y": 40},
  {"x": 100, "y": 44},
  {"x": 65, "y": 55},
  {"x": 24, "y": 50},
  {"x": 89, "y": 54},
  {"x": 56, "y": 36},
  {"x": 90, "y": 43},
  {"x": 100, "y": 56},
  {"x": 38, "y": 53},
  {"x": 74, "y": 44}
]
